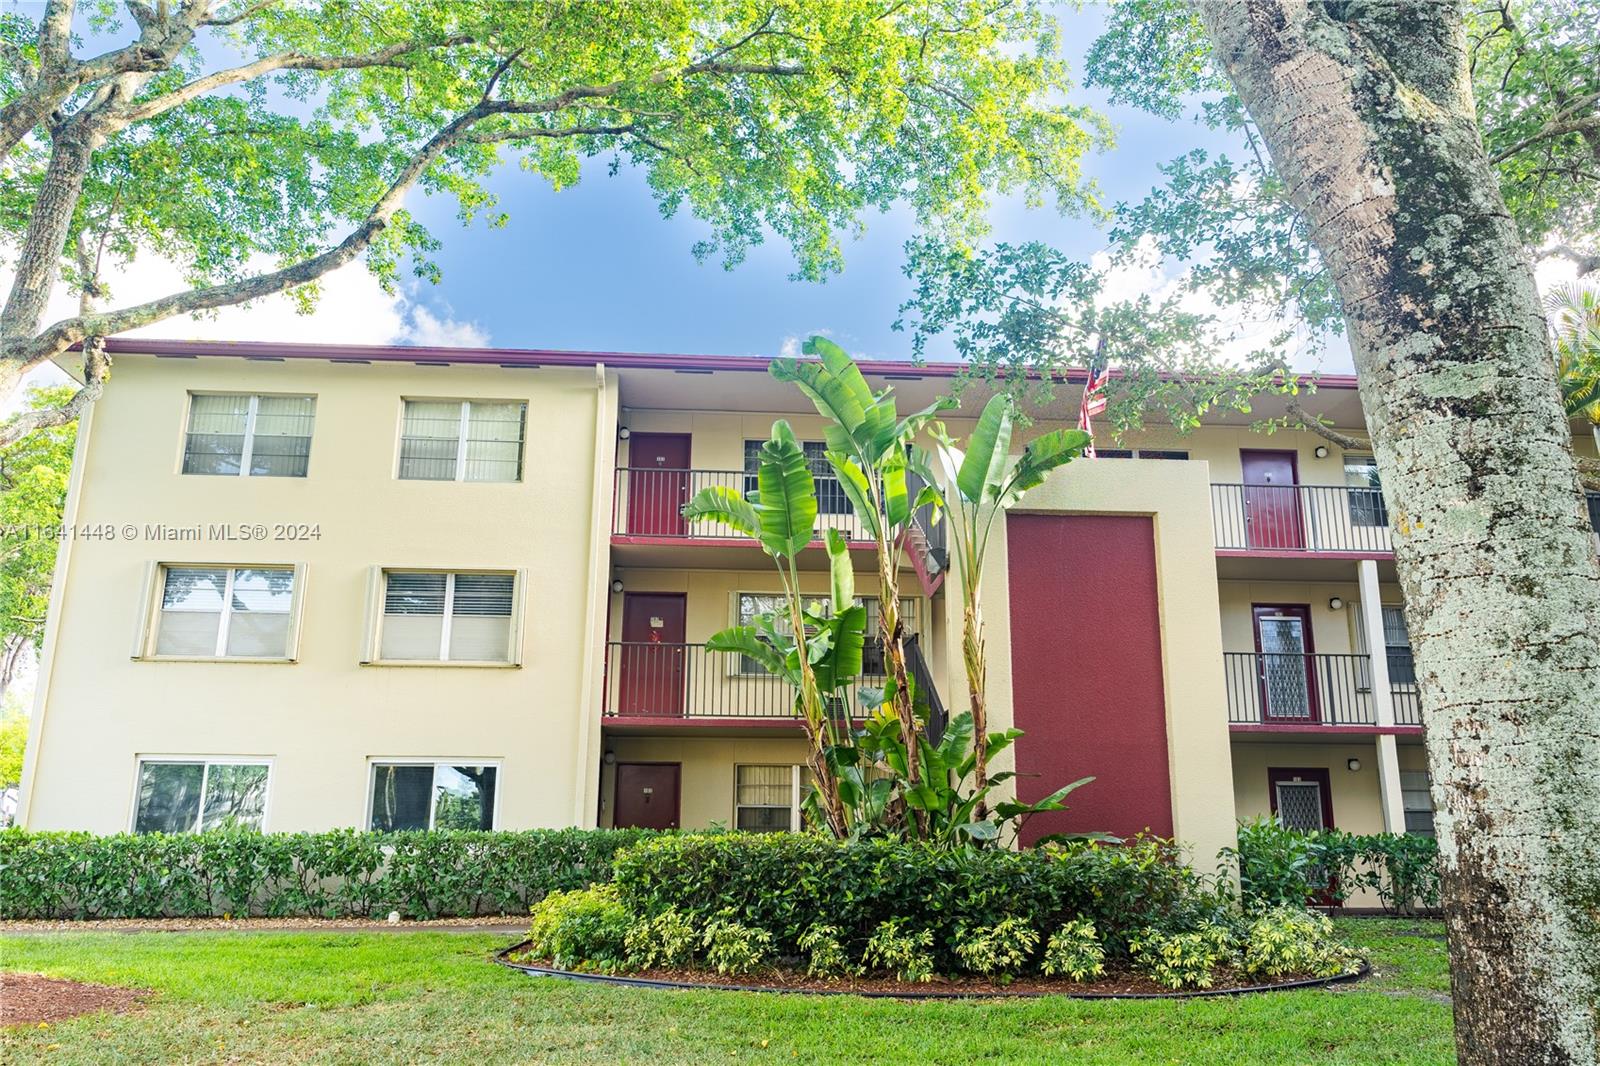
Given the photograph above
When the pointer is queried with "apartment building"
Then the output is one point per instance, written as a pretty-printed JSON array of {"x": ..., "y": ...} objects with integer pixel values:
[{"x": 307, "y": 586}]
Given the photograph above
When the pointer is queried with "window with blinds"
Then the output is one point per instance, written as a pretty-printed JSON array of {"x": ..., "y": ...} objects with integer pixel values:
[
  {"x": 1397, "y": 647},
  {"x": 751, "y": 604},
  {"x": 462, "y": 440},
  {"x": 447, "y": 617},
  {"x": 766, "y": 799},
  {"x": 258, "y": 436},
  {"x": 831, "y": 498},
  {"x": 225, "y": 612},
  {"x": 414, "y": 796},
  {"x": 1417, "y": 801},
  {"x": 185, "y": 796}
]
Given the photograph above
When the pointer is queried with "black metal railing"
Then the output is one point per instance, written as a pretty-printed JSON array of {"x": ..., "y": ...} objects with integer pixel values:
[
  {"x": 1308, "y": 518},
  {"x": 677, "y": 681},
  {"x": 649, "y": 503},
  {"x": 1282, "y": 688}
]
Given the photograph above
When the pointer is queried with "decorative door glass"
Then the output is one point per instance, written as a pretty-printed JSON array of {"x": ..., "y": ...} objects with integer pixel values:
[
  {"x": 1283, "y": 667},
  {"x": 1300, "y": 805}
]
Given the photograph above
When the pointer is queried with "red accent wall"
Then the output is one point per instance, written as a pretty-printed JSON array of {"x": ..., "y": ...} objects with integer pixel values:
[{"x": 1086, "y": 681}]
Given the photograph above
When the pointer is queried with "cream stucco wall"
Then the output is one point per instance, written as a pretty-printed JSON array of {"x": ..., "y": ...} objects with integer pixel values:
[
  {"x": 1332, "y": 632},
  {"x": 320, "y": 719},
  {"x": 1176, "y": 496}
]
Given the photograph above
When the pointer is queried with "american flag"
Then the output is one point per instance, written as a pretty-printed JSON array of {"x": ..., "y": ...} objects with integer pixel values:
[{"x": 1094, "y": 398}]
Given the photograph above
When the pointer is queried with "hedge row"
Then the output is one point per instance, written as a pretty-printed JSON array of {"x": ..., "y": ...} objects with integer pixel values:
[
  {"x": 1279, "y": 866},
  {"x": 785, "y": 883},
  {"x": 336, "y": 874}
]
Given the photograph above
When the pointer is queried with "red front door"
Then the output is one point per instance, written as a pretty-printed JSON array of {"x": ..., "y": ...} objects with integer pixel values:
[
  {"x": 1285, "y": 662},
  {"x": 647, "y": 795},
  {"x": 652, "y": 659},
  {"x": 658, "y": 484},
  {"x": 1271, "y": 500}
]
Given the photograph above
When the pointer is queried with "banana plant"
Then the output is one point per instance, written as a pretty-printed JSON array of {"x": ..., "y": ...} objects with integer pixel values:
[
  {"x": 871, "y": 451},
  {"x": 816, "y": 651},
  {"x": 982, "y": 482}
]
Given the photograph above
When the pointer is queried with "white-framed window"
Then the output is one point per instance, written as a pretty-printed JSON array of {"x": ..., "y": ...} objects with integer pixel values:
[
  {"x": 235, "y": 434},
  {"x": 226, "y": 612},
  {"x": 188, "y": 793},
  {"x": 749, "y": 604},
  {"x": 1141, "y": 453},
  {"x": 766, "y": 799},
  {"x": 432, "y": 794},
  {"x": 437, "y": 616},
  {"x": 462, "y": 440},
  {"x": 1417, "y": 801},
  {"x": 1366, "y": 491}
]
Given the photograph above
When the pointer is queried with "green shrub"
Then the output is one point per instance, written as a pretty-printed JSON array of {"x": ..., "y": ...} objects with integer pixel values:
[
  {"x": 732, "y": 947},
  {"x": 582, "y": 928},
  {"x": 1074, "y": 951},
  {"x": 904, "y": 954},
  {"x": 825, "y": 953},
  {"x": 1003, "y": 948},
  {"x": 1185, "y": 960},
  {"x": 665, "y": 941},
  {"x": 343, "y": 873},
  {"x": 783, "y": 882},
  {"x": 1285, "y": 941},
  {"x": 1286, "y": 867}
]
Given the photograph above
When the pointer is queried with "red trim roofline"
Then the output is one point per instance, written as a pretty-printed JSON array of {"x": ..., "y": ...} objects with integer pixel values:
[{"x": 536, "y": 357}]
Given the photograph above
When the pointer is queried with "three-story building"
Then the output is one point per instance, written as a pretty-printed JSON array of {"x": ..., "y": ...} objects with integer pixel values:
[{"x": 307, "y": 586}]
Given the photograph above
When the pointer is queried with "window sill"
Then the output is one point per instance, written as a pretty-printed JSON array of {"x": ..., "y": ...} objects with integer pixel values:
[
  {"x": 470, "y": 664},
  {"x": 276, "y": 660}
]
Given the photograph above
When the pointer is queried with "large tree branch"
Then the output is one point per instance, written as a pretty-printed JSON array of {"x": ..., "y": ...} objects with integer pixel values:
[
  {"x": 145, "y": 109},
  {"x": 62, "y": 335},
  {"x": 1587, "y": 262},
  {"x": 1314, "y": 424},
  {"x": 96, "y": 368}
]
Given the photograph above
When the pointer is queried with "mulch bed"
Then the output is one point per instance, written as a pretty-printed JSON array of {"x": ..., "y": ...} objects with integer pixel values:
[
  {"x": 1123, "y": 984},
  {"x": 29, "y": 998}
]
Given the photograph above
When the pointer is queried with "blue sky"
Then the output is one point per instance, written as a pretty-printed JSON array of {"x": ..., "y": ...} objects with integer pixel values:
[{"x": 596, "y": 267}]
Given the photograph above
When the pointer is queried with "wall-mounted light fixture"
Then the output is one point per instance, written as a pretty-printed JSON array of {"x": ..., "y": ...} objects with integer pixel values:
[
  {"x": 616, "y": 586},
  {"x": 1335, "y": 603},
  {"x": 1320, "y": 451},
  {"x": 1352, "y": 765},
  {"x": 611, "y": 758},
  {"x": 624, "y": 433}
]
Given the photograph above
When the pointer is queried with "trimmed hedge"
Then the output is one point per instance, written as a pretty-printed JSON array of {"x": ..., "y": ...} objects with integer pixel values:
[
  {"x": 786, "y": 883},
  {"x": 337, "y": 874},
  {"x": 1288, "y": 867}
]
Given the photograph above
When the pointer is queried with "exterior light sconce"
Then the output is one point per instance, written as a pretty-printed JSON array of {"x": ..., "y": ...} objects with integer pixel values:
[
  {"x": 1352, "y": 765},
  {"x": 611, "y": 758},
  {"x": 1320, "y": 451},
  {"x": 624, "y": 433},
  {"x": 616, "y": 586},
  {"x": 1335, "y": 603}
]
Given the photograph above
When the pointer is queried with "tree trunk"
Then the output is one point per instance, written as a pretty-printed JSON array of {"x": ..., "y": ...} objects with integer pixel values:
[
  {"x": 40, "y": 260},
  {"x": 1368, "y": 114}
]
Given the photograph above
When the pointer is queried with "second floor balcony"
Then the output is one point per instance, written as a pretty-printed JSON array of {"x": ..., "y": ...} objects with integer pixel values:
[
  {"x": 1275, "y": 519},
  {"x": 1316, "y": 692}
]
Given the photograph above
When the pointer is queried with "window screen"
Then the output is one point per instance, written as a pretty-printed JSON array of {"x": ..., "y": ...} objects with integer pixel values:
[
  {"x": 182, "y": 796},
  {"x": 462, "y": 440},
  {"x": 764, "y": 798},
  {"x": 225, "y": 612},
  {"x": 432, "y": 796},
  {"x": 1417, "y": 801},
  {"x": 449, "y": 617},
  {"x": 262, "y": 436},
  {"x": 1366, "y": 496}
]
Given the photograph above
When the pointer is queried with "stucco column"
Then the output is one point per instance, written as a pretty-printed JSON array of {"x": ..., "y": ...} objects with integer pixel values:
[{"x": 1394, "y": 815}]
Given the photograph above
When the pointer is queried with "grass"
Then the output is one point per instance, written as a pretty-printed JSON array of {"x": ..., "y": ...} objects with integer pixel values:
[{"x": 425, "y": 997}]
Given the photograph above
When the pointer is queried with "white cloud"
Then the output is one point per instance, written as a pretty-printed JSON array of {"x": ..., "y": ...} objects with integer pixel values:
[
  {"x": 790, "y": 347},
  {"x": 352, "y": 309}
]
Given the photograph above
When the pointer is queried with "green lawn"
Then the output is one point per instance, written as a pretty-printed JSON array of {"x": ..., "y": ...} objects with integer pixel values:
[{"x": 424, "y": 997}]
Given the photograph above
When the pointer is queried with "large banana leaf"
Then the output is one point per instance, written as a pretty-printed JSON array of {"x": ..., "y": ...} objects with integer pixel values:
[
  {"x": 847, "y": 636},
  {"x": 1042, "y": 455},
  {"x": 988, "y": 451},
  {"x": 896, "y": 500},
  {"x": 745, "y": 640},
  {"x": 834, "y": 384},
  {"x": 840, "y": 570},
  {"x": 719, "y": 503},
  {"x": 787, "y": 504}
]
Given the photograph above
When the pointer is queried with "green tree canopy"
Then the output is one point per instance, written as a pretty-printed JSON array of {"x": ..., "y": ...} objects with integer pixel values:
[{"x": 229, "y": 133}]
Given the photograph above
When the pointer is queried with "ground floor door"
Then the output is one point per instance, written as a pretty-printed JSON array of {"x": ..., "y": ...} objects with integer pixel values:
[
  {"x": 647, "y": 795},
  {"x": 1303, "y": 799},
  {"x": 651, "y": 664}
]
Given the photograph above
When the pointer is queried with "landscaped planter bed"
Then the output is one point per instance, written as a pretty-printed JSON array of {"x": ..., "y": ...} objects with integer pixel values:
[{"x": 1115, "y": 984}]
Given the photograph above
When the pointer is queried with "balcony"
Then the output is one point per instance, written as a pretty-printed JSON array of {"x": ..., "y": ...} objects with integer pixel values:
[
  {"x": 665, "y": 685},
  {"x": 1313, "y": 519},
  {"x": 647, "y": 521},
  {"x": 1315, "y": 693}
]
